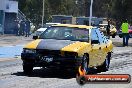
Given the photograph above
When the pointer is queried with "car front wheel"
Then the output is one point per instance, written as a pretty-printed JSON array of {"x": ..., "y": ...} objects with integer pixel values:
[
  {"x": 106, "y": 63},
  {"x": 85, "y": 62}
]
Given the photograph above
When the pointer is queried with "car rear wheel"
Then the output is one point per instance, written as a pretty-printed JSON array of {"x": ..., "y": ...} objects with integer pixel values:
[{"x": 27, "y": 68}]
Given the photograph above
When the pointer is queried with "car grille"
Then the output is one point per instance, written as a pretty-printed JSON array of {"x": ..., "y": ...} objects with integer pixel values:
[{"x": 44, "y": 52}]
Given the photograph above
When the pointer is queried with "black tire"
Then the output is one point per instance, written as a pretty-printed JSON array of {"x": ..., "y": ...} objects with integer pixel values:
[
  {"x": 27, "y": 68},
  {"x": 120, "y": 36},
  {"x": 107, "y": 60},
  {"x": 113, "y": 36},
  {"x": 85, "y": 62},
  {"x": 130, "y": 35},
  {"x": 106, "y": 64}
]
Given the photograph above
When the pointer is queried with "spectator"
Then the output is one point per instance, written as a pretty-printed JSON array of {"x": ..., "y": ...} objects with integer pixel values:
[
  {"x": 27, "y": 29},
  {"x": 125, "y": 32},
  {"x": 108, "y": 29},
  {"x": 22, "y": 28},
  {"x": 16, "y": 28},
  {"x": 118, "y": 25}
]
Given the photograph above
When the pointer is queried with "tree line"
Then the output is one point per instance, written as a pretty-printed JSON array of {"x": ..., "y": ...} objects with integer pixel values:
[{"x": 115, "y": 9}]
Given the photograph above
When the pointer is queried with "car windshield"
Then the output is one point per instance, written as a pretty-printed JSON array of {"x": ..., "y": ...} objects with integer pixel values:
[{"x": 66, "y": 33}]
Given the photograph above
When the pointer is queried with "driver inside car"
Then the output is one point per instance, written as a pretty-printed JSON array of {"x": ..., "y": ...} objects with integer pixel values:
[{"x": 68, "y": 34}]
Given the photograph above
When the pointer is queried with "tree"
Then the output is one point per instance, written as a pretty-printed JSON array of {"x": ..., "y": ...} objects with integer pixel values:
[
  {"x": 122, "y": 9},
  {"x": 117, "y": 9}
]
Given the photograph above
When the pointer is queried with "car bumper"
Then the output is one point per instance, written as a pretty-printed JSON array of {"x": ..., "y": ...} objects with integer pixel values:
[{"x": 35, "y": 60}]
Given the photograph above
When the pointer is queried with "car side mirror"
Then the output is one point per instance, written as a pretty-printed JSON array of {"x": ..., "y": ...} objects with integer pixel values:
[
  {"x": 35, "y": 37},
  {"x": 95, "y": 42}
]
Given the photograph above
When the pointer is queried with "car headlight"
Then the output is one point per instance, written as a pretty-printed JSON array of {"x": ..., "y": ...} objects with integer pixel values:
[
  {"x": 71, "y": 54},
  {"x": 29, "y": 51}
]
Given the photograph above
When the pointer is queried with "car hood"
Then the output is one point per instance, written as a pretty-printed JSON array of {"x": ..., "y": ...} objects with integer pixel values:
[{"x": 52, "y": 44}]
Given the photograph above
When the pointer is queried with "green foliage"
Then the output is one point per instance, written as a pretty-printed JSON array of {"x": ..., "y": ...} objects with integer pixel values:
[
  {"x": 117, "y": 9},
  {"x": 122, "y": 9}
]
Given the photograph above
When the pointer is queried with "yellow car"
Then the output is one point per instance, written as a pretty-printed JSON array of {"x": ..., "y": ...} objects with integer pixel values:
[
  {"x": 68, "y": 46},
  {"x": 113, "y": 30}
]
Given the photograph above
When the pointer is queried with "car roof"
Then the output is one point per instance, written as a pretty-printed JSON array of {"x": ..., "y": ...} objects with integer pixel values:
[{"x": 75, "y": 26}]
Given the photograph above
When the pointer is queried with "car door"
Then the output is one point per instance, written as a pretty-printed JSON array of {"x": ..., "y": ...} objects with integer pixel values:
[
  {"x": 103, "y": 47},
  {"x": 96, "y": 49}
]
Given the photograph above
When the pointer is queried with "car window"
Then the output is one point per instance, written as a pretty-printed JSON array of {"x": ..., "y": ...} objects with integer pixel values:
[
  {"x": 81, "y": 34},
  {"x": 105, "y": 40},
  {"x": 100, "y": 36},
  {"x": 94, "y": 35},
  {"x": 102, "y": 39}
]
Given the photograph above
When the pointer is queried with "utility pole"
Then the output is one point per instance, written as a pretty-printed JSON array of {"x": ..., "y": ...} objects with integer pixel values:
[
  {"x": 90, "y": 17},
  {"x": 43, "y": 14}
]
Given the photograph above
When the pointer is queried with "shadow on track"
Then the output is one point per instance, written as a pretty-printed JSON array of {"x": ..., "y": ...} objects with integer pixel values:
[{"x": 51, "y": 73}]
